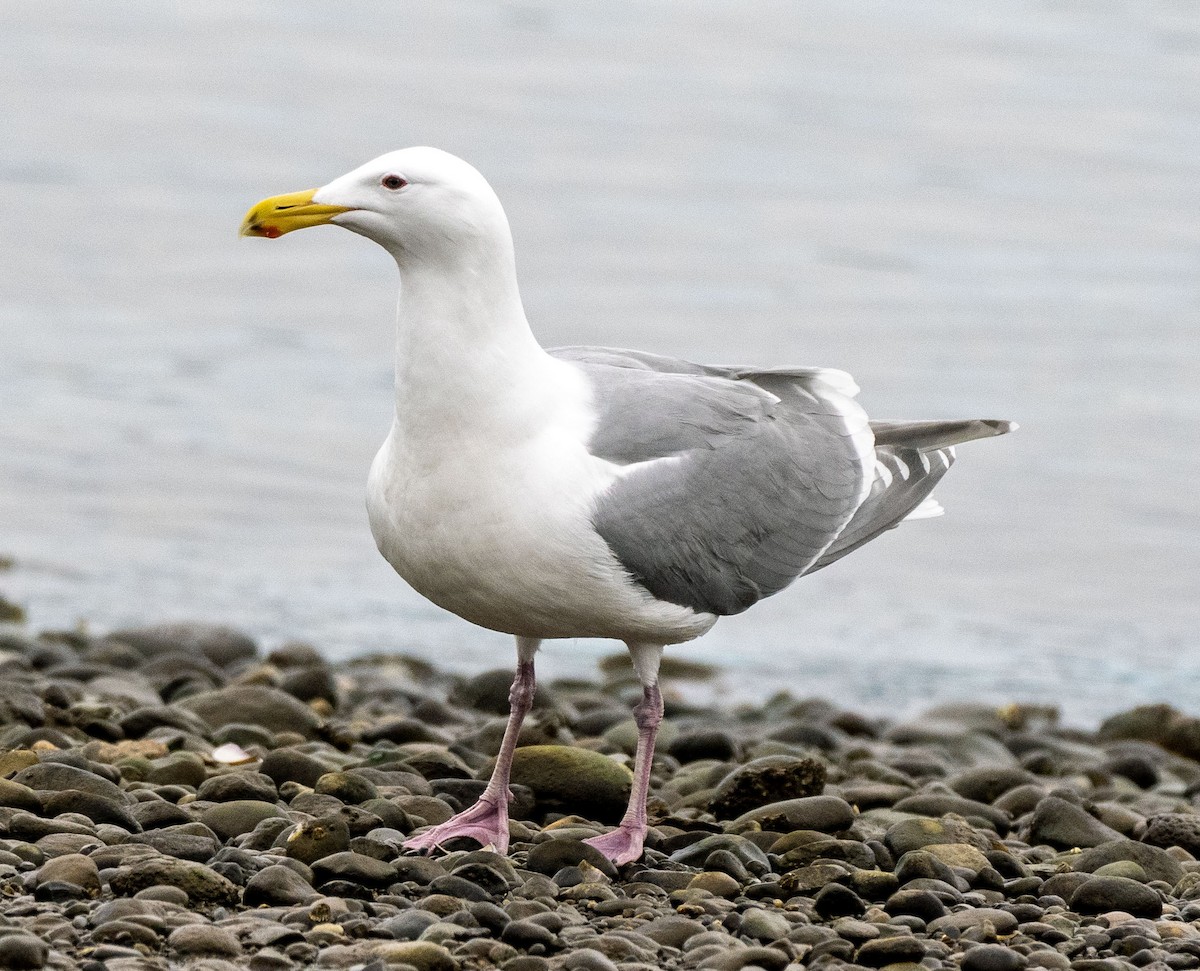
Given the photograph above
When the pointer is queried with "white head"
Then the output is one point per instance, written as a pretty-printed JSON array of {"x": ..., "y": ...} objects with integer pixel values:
[{"x": 420, "y": 204}]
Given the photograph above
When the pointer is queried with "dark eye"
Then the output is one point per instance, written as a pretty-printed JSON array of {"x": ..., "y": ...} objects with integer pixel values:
[{"x": 393, "y": 182}]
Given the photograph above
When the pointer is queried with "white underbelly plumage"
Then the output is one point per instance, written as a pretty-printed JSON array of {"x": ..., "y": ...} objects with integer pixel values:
[{"x": 502, "y": 536}]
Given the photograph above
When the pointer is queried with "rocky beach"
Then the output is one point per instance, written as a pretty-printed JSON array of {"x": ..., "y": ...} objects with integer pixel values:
[{"x": 175, "y": 796}]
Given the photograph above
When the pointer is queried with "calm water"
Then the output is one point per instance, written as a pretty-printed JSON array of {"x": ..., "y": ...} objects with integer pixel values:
[{"x": 977, "y": 208}]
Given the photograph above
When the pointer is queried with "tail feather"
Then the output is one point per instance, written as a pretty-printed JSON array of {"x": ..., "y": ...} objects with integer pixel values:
[{"x": 937, "y": 434}]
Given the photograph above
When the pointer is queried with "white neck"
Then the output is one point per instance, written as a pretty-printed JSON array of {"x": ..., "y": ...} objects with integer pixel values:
[{"x": 463, "y": 346}]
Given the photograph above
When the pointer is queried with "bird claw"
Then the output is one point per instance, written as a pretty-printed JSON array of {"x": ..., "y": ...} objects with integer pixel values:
[
  {"x": 622, "y": 845},
  {"x": 486, "y": 822}
]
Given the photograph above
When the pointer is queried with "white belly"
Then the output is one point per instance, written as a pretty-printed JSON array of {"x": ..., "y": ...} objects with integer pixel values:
[{"x": 501, "y": 535}]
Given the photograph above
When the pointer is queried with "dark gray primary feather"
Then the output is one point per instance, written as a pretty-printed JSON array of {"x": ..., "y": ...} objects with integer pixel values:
[
  {"x": 760, "y": 473},
  {"x": 911, "y": 458}
]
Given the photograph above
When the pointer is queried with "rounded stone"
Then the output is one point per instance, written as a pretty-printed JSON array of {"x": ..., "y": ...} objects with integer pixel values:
[
  {"x": 354, "y": 867},
  {"x": 231, "y": 786},
  {"x": 918, "y": 834},
  {"x": 350, "y": 788},
  {"x": 1099, "y": 895},
  {"x": 278, "y": 886},
  {"x": 1065, "y": 825},
  {"x": 421, "y": 955},
  {"x": 1157, "y": 862},
  {"x": 764, "y": 925},
  {"x": 1001, "y": 920},
  {"x": 704, "y": 744},
  {"x": 60, "y": 776},
  {"x": 718, "y": 884},
  {"x": 289, "y": 765},
  {"x": 73, "y": 868},
  {"x": 826, "y": 814},
  {"x": 317, "y": 838},
  {"x": 524, "y": 934},
  {"x": 993, "y": 957},
  {"x": 222, "y": 645},
  {"x": 770, "y": 779},
  {"x": 834, "y": 900},
  {"x": 201, "y": 884},
  {"x": 230, "y": 819},
  {"x": 23, "y": 952},
  {"x": 573, "y": 779},
  {"x": 203, "y": 940},
  {"x": 14, "y": 795},
  {"x": 408, "y": 925},
  {"x": 552, "y": 855},
  {"x": 254, "y": 704},
  {"x": 882, "y": 951}
]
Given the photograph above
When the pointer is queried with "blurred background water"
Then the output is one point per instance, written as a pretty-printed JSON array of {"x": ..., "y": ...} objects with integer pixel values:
[{"x": 978, "y": 209}]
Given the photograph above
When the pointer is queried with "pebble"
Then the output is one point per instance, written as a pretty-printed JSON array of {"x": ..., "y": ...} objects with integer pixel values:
[
  {"x": 1099, "y": 895},
  {"x": 959, "y": 838},
  {"x": 203, "y": 940}
]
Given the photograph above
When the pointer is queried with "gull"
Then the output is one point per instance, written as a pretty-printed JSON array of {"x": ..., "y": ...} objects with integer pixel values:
[{"x": 592, "y": 491}]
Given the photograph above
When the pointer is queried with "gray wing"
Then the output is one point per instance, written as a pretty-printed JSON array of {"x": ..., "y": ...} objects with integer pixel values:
[{"x": 738, "y": 479}]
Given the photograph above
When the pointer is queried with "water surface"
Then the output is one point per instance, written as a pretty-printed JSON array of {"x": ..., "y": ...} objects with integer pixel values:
[{"x": 978, "y": 210}]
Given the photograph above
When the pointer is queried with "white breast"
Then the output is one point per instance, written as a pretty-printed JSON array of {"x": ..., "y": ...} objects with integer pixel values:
[{"x": 492, "y": 521}]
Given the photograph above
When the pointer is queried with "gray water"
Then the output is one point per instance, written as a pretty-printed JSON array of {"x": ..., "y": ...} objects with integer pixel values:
[{"x": 977, "y": 208}]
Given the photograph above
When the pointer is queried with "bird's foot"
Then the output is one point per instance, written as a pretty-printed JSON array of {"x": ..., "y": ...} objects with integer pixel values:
[
  {"x": 622, "y": 845},
  {"x": 486, "y": 822}
]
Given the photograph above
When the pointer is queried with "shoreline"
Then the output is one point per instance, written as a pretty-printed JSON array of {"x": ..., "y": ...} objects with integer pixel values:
[{"x": 172, "y": 794}]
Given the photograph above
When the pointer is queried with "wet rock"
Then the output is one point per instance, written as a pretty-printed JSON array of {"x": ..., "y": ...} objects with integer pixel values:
[
  {"x": 203, "y": 940},
  {"x": 993, "y": 957},
  {"x": 230, "y": 819},
  {"x": 828, "y": 814},
  {"x": 1174, "y": 829},
  {"x": 199, "y": 882},
  {"x": 421, "y": 955},
  {"x": 232, "y": 786},
  {"x": 1001, "y": 920},
  {"x": 278, "y": 886},
  {"x": 254, "y": 704},
  {"x": 1156, "y": 862},
  {"x": 916, "y": 834},
  {"x": 1099, "y": 895},
  {"x": 354, "y": 867},
  {"x": 347, "y": 787},
  {"x": 72, "y": 868},
  {"x": 23, "y": 952},
  {"x": 317, "y": 838},
  {"x": 890, "y": 950},
  {"x": 573, "y": 780},
  {"x": 60, "y": 776},
  {"x": 770, "y": 779},
  {"x": 290, "y": 765},
  {"x": 988, "y": 783},
  {"x": 552, "y": 855},
  {"x": 1060, "y": 823},
  {"x": 17, "y": 796},
  {"x": 222, "y": 645},
  {"x": 704, "y": 744}
]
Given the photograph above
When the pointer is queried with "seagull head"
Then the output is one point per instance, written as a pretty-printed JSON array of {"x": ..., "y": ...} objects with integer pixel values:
[{"x": 415, "y": 203}]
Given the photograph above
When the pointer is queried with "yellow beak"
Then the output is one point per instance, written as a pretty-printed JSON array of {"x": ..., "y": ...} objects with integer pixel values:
[{"x": 281, "y": 214}]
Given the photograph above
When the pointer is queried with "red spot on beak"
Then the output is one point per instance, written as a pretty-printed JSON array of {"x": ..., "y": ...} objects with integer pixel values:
[{"x": 271, "y": 232}]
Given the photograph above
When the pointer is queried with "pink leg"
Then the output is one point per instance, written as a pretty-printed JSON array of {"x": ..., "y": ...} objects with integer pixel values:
[
  {"x": 487, "y": 820},
  {"x": 624, "y": 844}
]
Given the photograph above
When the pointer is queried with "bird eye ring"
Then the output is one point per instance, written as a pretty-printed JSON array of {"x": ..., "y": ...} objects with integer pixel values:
[{"x": 393, "y": 182}]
